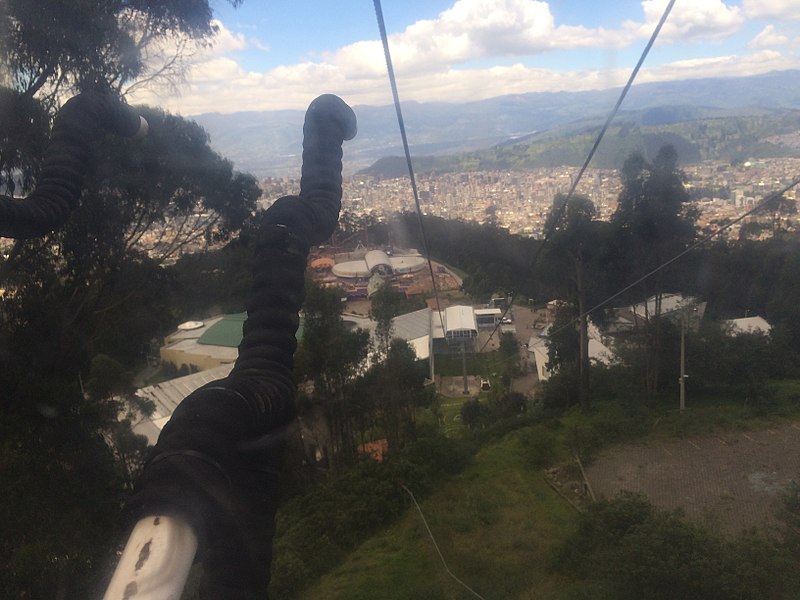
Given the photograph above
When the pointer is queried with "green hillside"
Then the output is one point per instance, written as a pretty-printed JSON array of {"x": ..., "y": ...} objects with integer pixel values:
[
  {"x": 496, "y": 523},
  {"x": 728, "y": 139},
  {"x": 506, "y": 533}
]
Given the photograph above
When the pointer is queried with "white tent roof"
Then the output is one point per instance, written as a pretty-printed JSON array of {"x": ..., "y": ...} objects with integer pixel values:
[
  {"x": 749, "y": 325},
  {"x": 400, "y": 264},
  {"x": 598, "y": 351},
  {"x": 415, "y": 328},
  {"x": 377, "y": 258},
  {"x": 412, "y": 325},
  {"x": 669, "y": 303}
]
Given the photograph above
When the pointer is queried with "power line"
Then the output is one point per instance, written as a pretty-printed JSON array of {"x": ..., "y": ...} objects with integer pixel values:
[
  {"x": 613, "y": 114},
  {"x": 435, "y": 545},
  {"x": 591, "y": 154},
  {"x": 401, "y": 124}
]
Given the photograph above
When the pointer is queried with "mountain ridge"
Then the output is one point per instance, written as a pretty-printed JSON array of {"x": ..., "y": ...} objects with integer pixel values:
[{"x": 268, "y": 143}]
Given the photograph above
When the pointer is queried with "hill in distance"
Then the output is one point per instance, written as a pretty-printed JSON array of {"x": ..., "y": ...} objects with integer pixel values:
[
  {"x": 728, "y": 139},
  {"x": 270, "y": 143}
]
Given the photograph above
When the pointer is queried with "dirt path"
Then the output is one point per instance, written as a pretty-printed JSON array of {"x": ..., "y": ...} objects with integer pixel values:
[{"x": 731, "y": 481}]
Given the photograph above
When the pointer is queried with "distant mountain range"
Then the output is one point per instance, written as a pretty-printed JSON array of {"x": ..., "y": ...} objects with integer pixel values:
[{"x": 269, "y": 143}]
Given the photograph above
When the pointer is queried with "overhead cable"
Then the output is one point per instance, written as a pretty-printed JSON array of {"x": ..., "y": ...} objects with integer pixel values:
[
  {"x": 767, "y": 199},
  {"x": 401, "y": 124},
  {"x": 435, "y": 545},
  {"x": 589, "y": 157}
]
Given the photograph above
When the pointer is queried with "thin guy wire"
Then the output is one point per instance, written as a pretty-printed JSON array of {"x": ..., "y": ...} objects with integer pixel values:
[
  {"x": 680, "y": 255},
  {"x": 600, "y": 136},
  {"x": 435, "y": 545},
  {"x": 401, "y": 123}
]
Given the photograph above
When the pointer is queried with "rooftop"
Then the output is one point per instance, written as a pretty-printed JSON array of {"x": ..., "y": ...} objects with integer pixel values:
[{"x": 226, "y": 332}]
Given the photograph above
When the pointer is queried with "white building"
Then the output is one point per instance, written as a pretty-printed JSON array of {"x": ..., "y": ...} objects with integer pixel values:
[
  {"x": 537, "y": 345},
  {"x": 487, "y": 317},
  {"x": 378, "y": 261},
  {"x": 749, "y": 325}
]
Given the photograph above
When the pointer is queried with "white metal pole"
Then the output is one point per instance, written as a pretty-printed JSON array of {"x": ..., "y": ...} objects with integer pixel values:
[
  {"x": 682, "y": 380},
  {"x": 156, "y": 560}
]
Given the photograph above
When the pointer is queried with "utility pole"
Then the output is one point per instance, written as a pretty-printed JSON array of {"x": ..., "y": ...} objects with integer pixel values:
[
  {"x": 682, "y": 380},
  {"x": 430, "y": 346},
  {"x": 464, "y": 366}
]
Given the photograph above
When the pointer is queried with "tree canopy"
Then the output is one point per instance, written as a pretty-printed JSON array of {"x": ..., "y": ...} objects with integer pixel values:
[
  {"x": 80, "y": 305},
  {"x": 60, "y": 45}
]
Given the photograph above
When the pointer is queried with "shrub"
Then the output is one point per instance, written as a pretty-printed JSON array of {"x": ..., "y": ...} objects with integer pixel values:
[
  {"x": 511, "y": 404},
  {"x": 471, "y": 412},
  {"x": 540, "y": 446},
  {"x": 560, "y": 392},
  {"x": 634, "y": 551},
  {"x": 316, "y": 530}
]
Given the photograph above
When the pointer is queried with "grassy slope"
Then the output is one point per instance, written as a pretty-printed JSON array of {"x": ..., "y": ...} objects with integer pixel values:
[{"x": 497, "y": 522}]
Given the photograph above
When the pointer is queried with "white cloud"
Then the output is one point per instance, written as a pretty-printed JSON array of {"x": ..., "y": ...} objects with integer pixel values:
[
  {"x": 214, "y": 70},
  {"x": 295, "y": 86},
  {"x": 465, "y": 85},
  {"x": 768, "y": 37},
  {"x": 263, "y": 46},
  {"x": 723, "y": 66},
  {"x": 479, "y": 29},
  {"x": 474, "y": 29},
  {"x": 225, "y": 40},
  {"x": 772, "y": 9},
  {"x": 696, "y": 20},
  {"x": 432, "y": 59}
]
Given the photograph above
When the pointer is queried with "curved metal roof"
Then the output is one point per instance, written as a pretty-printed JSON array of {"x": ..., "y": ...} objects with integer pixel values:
[{"x": 376, "y": 259}]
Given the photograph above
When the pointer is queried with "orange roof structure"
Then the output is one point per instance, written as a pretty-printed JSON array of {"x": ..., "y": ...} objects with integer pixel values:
[
  {"x": 319, "y": 264},
  {"x": 375, "y": 449}
]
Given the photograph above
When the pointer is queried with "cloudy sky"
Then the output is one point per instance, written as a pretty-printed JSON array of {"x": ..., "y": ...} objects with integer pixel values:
[{"x": 280, "y": 54}]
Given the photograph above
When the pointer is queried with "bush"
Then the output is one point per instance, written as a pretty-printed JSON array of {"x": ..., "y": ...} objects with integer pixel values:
[
  {"x": 560, "y": 392},
  {"x": 472, "y": 411},
  {"x": 540, "y": 446},
  {"x": 509, "y": 405},
  {"x": 316, "y": 531},
  {"x": 634, "y": 551},
  {"x": 439, "y": 454},
  {"x": 585, "y": 441}
]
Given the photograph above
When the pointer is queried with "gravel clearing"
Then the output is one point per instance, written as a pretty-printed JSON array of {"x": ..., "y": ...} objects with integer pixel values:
[{"x": 731, "y": 481}]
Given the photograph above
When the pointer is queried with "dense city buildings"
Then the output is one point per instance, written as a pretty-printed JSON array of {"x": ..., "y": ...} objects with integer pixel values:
[{"x": 520, "y": 200}]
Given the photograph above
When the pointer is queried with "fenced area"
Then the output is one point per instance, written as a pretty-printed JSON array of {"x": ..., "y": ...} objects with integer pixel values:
[{"x": 730, "y": 481}]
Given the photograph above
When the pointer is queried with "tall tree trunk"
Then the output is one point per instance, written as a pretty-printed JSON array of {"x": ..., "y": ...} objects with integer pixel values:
[
  {"x": 653, "y": 358},
  {"x": 583, "y": 362}
]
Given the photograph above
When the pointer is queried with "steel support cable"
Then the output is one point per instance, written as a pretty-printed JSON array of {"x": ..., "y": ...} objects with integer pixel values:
[
  {"x": 401, "y": 124},
  {"x": 435, "y": 545},
  {"x": 769, "y": 198},
  {"x": 562, "y": 209}
]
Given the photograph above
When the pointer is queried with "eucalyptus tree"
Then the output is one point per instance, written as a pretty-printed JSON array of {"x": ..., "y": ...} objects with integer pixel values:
[
  {"x": 330, "y": 356},
  {"x": 91, "y": 288},
  {"x": 573, "y": 245},
  {"x": 654, "y": 222}
]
